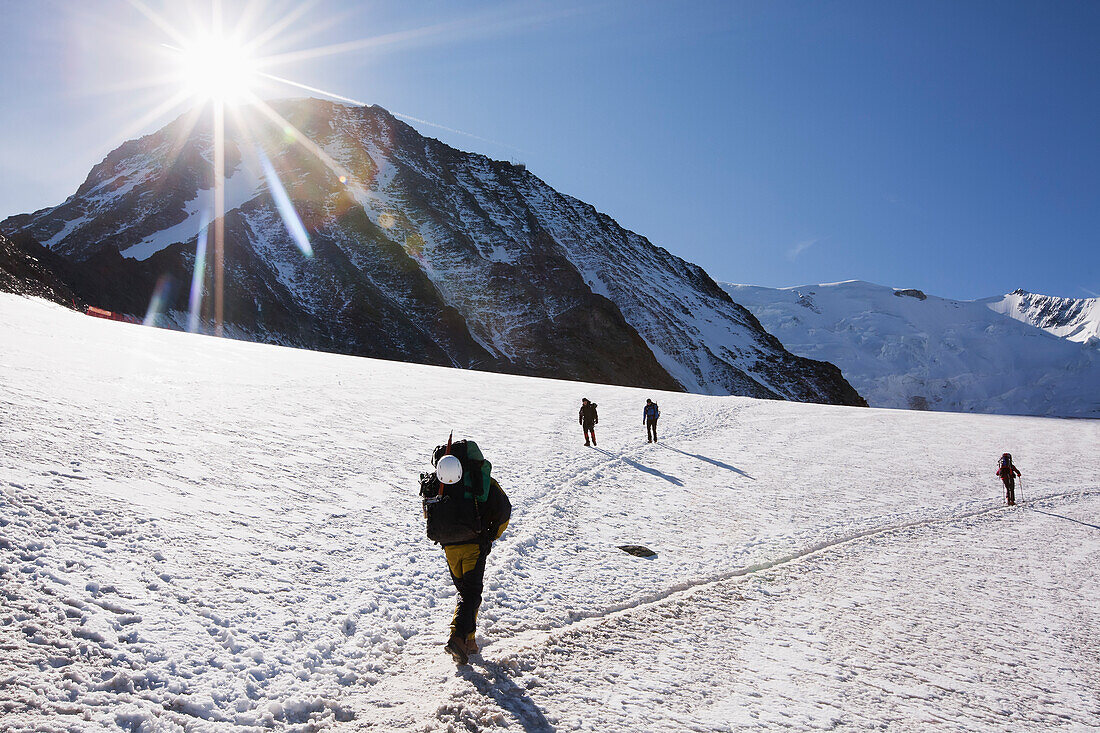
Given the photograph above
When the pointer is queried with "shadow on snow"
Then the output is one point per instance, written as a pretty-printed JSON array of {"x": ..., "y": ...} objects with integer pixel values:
[
  {"x": 642, "y": 467},
  {"x": 496, "y": 684},
  {"x": 711, "y": 461},
  {"x": 1068, "y": 519}
]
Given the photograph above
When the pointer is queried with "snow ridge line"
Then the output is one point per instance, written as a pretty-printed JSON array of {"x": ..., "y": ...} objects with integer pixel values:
[{"x": 536, "y": 637}]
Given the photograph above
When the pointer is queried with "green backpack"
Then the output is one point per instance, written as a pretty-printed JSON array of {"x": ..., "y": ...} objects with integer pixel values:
[{"x": 475, "y": 469}]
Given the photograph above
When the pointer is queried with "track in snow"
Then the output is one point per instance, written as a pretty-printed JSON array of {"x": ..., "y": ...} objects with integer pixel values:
[{"x": 649, "y": 639}]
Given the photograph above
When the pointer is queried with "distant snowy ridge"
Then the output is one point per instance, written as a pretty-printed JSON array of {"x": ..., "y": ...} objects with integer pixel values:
[
  {"x": 1076, "y": 319},
  {"x": 421, "y": 253},
  {"x": 903, "y": 348}
]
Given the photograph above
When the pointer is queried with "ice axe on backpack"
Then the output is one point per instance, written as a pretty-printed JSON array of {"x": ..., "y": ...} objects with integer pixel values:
[{"x": 450, "y": 437}]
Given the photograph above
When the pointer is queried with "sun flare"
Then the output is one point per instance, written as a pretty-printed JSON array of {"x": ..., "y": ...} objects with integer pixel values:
[
  {"x": 217, "y": 65},
  {"x": 218, "y": 68}
]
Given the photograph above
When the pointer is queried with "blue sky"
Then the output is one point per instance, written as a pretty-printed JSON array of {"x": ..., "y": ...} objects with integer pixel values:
[{"x": 949, "y": 146}]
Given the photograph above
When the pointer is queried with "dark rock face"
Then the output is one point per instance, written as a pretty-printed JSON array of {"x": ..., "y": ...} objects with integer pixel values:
[
  {"x": 27, "y": 268},
  {"x": 420, "y": 252}
]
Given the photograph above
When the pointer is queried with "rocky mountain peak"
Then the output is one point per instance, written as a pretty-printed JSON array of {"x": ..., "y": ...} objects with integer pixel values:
[
  {"x": 1075, "y": 319},
  {"x": 417, "y": 251}
]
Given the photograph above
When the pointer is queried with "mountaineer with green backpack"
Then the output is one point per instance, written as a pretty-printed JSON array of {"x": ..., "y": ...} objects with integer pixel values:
[{"x": 466, "y": 511}]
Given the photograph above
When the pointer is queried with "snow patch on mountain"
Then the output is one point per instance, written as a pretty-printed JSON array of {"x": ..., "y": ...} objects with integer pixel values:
[
  {"x": 242, "y": 185},
  {"x": 905, "y": 349},
  {"x": 65, "y": 231},
  {"x": 117, "y": 181}
]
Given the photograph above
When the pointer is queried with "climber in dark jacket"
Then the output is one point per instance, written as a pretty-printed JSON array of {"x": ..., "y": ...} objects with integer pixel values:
[
  {"x": 466, "y": 562},
  {"x": 466, "y": 547},
  {"x": 650, "y": 413},
  {"x": 588, "y": 419}
]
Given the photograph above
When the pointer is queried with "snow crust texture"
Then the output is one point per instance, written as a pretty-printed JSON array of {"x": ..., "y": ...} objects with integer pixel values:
[
  {"x": 907, "y": 349},
  {"x": 420, "y": 253},
  {"x": 967, "y": 625},
  {"x": 200, "y": 534}
]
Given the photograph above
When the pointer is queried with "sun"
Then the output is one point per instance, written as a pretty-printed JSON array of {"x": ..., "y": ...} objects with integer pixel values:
[{"x": 219, "y": 68}]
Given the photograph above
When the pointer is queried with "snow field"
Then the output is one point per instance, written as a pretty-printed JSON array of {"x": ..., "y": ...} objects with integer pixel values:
[
  {"x": 201, "y": 534},
  {"x": 962, "y": 625}
]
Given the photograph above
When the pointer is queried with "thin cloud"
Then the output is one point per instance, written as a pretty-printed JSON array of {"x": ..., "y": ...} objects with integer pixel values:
[
  {"x": 801, "y": 247},
  {"x": 1093, "y": 293}
]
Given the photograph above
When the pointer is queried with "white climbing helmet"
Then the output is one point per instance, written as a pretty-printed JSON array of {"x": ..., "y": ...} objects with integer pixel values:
[{"x": 449, "y": 470}]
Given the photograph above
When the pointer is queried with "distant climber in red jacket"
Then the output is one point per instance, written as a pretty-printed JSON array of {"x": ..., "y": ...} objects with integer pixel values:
[{"x": 1008, "y": 474}]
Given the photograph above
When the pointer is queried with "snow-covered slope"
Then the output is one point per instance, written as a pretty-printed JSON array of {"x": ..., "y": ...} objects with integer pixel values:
[
  {"x": 199, "y": 535},
  {"x": 903, "y": 348},
  {"x": 1076, "y": 319},
  {"x": 418, "y": 252}
]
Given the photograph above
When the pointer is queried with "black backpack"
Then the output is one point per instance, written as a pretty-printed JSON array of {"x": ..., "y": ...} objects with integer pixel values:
[{"x": 452, "y": 517}]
